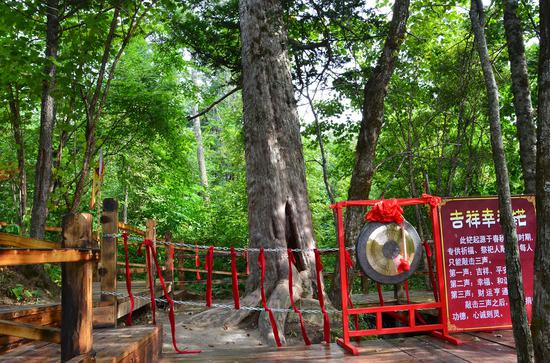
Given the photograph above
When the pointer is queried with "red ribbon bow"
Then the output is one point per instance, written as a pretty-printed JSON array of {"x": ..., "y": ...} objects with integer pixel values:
[{"x": 386, "y": 210}]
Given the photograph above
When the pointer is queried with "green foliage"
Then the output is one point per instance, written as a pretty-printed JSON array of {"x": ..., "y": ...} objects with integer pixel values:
[{"x": 435, "y": 133}]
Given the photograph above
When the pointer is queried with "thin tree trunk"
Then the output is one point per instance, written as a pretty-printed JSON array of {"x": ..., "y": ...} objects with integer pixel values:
[
  {"x": 540, "y": 324},
  {"x": 47, "y": 122},
  {"x": 371, "y": 123},
  {"x": 522, "y": 334},
  {"x": 522, "y": 94},
  {"x": 200, "y": 146},
  {"x": 200, "y": 151},
  {"x": 16, "y": 124}
]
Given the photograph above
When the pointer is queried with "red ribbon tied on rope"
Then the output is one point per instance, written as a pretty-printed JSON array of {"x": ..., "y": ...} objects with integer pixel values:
[
  {"x": 432, "y": 199},
  {"x": 235, "y": 279},
  {"x": 150, "y": 250},
  {"x": 128, "y": 278},
  {"x": 291, "y": 261},
  {"x": 386, "y": 210},
  {"x": 197, "y": 261},
  {"x": 320, "y": 296},
  {"x": 209, "y": 266},
  {"x": 261, "y": 263}
]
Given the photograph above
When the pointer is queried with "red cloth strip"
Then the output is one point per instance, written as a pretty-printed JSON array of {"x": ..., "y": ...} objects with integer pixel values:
[
  {"x": 148, "y": 247},
  {"x": 261, "y": 263},
  {"x": 320, "y": 297},
  {"x": 235, "y": 279},
  {"x": 197, "y": 261},
  {"x": 128, "y": 279},
  {"x": 292, "y": 260},
  {"x": 171, "y": 315},
  {"x": 406, "y": 287},
  {"x": 432, "y": 200},
  {"x": 209, "y": 266}
]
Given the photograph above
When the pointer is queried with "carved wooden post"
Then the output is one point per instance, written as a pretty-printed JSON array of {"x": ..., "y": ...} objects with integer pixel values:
[
  {"x": 107, "y": 270},
  {"x": 76, "y": 289},
  {"x": 169, "y": 251},
  {"x": 151, "y": 234}
]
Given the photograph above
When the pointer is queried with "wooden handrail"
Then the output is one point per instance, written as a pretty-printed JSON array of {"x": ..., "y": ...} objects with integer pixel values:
[
  {"x": 16, "y": 257},
  {"x": 128, "y": 228},
  {"x": 30, "y": 331},
  {"x": 24, "y": 242}
]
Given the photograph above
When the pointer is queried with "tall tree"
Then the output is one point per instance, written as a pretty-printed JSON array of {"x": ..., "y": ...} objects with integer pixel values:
[
  {"x": 278, "y": 206},
  {"x": 522, "y": 334},
  {"x": 16, "y": 124},
  {"x": 522, "y": 95},
  {"x": 540, "y": 325},
  {"x": 374, "y": 95},
  {"x": 126, "y": 19},
  {"x": 47, "y": 122},
  {"x": 198, "y": 138}
]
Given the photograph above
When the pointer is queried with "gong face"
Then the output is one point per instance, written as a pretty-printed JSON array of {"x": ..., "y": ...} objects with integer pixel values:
[{"x": 382, "y": 246}]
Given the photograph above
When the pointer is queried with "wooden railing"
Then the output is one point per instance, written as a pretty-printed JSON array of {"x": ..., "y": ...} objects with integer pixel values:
[{"x": 77, "y": 254}]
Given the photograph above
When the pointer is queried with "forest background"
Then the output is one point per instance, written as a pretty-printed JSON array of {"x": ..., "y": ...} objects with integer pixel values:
[{"x": 154, "y": 88}]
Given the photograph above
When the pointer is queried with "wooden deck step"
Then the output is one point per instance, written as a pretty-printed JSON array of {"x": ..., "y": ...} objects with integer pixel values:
[{"x": 134, "y": 344}]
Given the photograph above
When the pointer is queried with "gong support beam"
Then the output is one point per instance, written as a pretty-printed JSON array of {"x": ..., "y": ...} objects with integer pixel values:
[{"x": 407, "y": 312}]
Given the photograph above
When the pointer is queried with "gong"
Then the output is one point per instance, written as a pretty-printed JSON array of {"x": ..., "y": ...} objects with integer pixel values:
[{"x": 382, "y": 247}]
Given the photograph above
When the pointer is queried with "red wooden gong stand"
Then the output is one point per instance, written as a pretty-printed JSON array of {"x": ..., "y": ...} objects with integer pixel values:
[{"x": 439, "y": 330}]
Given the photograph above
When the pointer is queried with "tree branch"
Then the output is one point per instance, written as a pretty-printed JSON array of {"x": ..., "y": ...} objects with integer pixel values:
[{"x": 211, "y": 106}]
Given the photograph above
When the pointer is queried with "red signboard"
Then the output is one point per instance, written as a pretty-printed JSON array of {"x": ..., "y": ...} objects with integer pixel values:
[{"x": 474, "y": 261}]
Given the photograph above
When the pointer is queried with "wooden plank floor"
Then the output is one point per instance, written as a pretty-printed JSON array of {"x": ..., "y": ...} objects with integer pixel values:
[
  {"x": 477, "y": 347},
  {"x": 135, "y": 344}
]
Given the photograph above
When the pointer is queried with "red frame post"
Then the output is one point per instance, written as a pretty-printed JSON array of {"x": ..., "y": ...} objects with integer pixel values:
[{"x": 439, "y": 330}]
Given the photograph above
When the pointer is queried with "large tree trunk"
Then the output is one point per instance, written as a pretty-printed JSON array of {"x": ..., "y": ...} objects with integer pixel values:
[
  {"x": 540, "y": 324},
  {"x": 371, "y": 123},
  {"x": 47, "y": 122},
  {"x": 522, "y": 335},
  {"x": 522, "y": 94},
  {"x": 278, "y": 206},
  {"x": 15, "y": 116}
]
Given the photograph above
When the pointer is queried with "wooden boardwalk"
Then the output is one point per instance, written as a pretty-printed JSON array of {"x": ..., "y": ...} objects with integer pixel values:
[
  {"x": 477, "y": 347},
  {"x": 135, "y": 344}
]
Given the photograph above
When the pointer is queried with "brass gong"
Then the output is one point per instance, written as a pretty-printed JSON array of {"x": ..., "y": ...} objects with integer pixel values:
[{"x": 383, "y": 247}]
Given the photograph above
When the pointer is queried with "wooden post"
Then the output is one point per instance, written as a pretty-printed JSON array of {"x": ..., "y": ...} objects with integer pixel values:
[
  {"x": 151, "y": 234},
  {"x": 108, "y": 268},
  {"x": 169, "y": 251},
  {"x": 76, "y": 289}
]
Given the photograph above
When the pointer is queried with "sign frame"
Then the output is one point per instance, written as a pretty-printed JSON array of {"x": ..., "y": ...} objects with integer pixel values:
[{"x": 451, "y": 327}]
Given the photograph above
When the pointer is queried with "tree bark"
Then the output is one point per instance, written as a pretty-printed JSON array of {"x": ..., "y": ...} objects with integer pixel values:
[
  {"x": 522, "y": 335},
  {"x": 47, "y": 123},
  {"x": 522, "y": 94},
  {"x": 278, "y": 206},
  {"x": 16, "y": 124},
  {"x": 371, "y": 123},
  {"x": 540, "y": 324}
]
